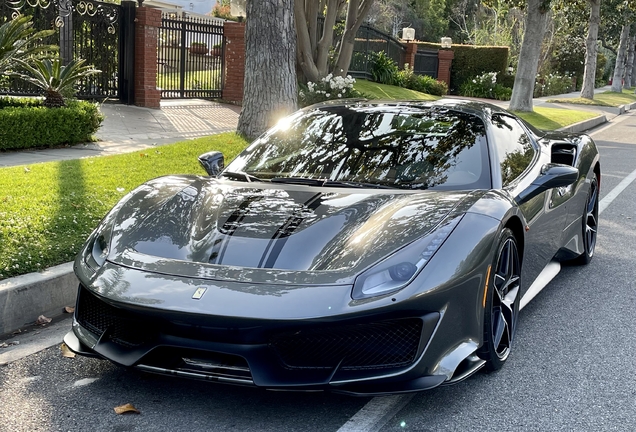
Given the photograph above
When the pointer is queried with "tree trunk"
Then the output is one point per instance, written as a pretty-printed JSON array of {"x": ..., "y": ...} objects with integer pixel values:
[
  {"x": 630, "y": 64},
  {"x": 619, "y": 69},
  {"x": 313, "y": 53},
  {"x": 269, "y": 90},
  {"x": 522, "y": 92},
  {"x": 591, "y": 51},
  {"x": 356, "y": 13}
]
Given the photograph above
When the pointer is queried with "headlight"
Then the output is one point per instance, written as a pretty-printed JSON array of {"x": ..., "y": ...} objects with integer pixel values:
[
  {"x": 397, "y": 271},
  {"x": 98, "y": 243}
]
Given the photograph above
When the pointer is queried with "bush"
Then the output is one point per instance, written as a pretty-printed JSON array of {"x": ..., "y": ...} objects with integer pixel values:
[
  {"x": 486, "y": 86},
  {"x": 328, "y": 88},
  {"x": 31, "y": 125},
  {"x": 383, "y": 69},
  {"x": 421, "y": 83},
  {"x": 552, "y": 84}
]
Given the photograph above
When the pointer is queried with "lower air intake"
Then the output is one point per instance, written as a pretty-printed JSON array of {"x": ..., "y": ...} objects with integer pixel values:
[{"x": 385, "y": 344}]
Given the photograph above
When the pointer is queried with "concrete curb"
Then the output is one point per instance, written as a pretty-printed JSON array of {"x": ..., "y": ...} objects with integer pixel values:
[
  {"x": 24, "y": 298},
  {"x": 584, "y": 125}
]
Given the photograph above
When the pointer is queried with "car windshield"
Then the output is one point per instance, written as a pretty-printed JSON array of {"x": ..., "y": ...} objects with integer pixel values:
[{"x": 397, "y": 146}]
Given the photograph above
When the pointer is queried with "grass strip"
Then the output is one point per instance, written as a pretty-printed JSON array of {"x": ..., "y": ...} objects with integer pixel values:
[
  {"x": 373, "y": 90},
  {"x": 48, "y": 209},
  {"x": 554, "y": 118},
  {"x": 608, "y": 98}
]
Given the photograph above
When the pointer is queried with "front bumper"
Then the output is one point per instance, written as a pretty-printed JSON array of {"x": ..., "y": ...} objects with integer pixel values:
[{"x": 376, "y": 354}]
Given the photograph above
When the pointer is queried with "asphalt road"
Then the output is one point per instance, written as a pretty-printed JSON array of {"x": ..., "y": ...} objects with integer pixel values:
[{"x": 572, "y": 367}]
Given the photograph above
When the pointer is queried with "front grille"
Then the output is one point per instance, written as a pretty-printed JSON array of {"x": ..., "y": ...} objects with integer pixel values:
[
  {"x": 97, "y": 317},
  {"x": 384, "y": 344}
]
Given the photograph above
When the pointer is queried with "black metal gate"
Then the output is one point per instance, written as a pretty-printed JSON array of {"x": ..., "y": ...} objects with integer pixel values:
[
  {"x": 426, "y": 63},
  {"x": 190, "y": 58},
  {"x": 87, "y": 29}
]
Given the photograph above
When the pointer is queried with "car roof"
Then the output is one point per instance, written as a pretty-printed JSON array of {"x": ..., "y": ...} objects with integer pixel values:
[{"x": 478, "y": 108}]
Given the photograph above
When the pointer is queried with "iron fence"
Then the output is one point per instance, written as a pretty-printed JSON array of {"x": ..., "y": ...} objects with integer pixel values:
[
  {"x": 426, "y": 63},
  {"x": 86, "y": 29},
  {"x": 190, "y": 58},
  {"x": 369, "y": 41}
]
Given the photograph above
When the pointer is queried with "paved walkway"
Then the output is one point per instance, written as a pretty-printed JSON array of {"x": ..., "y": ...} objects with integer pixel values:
[{"x": 128, "y": 128}]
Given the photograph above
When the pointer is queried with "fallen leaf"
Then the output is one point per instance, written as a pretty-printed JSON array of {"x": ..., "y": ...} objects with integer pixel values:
[
  {"x": 66, "y": 351},
  {"x": 127, "y": 408},
  {"x": 120, "y": 189},
  {"x": 26, "y": 169},
  {"x": 42, "y": 320},
  {"x": 69, "y": 309}
]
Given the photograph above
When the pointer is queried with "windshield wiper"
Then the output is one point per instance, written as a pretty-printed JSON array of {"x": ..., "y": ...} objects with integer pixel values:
[
  {"x": 327, "y": 183},
  {"x": 241, "y": 176}
]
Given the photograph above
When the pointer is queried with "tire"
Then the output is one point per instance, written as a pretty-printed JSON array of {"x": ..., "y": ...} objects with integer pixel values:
[
  {"x": 590, "y": 223},
  {"x": 502, "y": 303}
]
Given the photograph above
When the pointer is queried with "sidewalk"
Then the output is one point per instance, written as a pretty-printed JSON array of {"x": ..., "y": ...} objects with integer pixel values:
[{"x": 128, "y": 128}]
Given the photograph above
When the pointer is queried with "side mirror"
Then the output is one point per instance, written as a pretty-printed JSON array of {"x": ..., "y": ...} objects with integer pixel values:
[
  {"x": 552, "y": 176},
  {"x": 213, "y": 162}
]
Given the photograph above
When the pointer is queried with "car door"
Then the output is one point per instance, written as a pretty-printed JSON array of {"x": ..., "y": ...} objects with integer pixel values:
[{"x": 520, "y": 161}]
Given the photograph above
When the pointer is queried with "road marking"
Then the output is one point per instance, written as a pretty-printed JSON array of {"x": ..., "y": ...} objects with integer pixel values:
[
  {"x": 607, "y": 200},
  {"x": 376, "y": 413}
]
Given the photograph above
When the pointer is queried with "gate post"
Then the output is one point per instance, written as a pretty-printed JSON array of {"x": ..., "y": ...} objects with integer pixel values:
[
  {"x": 445, "y": 60},
  {"x": 409, "y": 55},
  {"x": 146, "y": 34},
  {"x": 234, "y": 33},
  {"x": 126, "y": 72},
  {"x": 65, "y": 17}
]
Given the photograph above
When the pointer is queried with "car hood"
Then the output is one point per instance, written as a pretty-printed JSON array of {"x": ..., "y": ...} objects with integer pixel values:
[{"x": 218, "y": 229}]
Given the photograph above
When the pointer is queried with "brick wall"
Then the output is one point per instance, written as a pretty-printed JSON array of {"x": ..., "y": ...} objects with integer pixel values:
[
  {"x": 146, "y": 32},
  {"x": 234, "y": 61},
  {"x": 409, "y": 55}
]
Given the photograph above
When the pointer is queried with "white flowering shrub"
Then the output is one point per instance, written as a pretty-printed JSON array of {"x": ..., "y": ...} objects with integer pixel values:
[
  {"x": 553, "y": 84},
  {"x": 485, "y": 86},
  {"x": 328, "y": 88}
]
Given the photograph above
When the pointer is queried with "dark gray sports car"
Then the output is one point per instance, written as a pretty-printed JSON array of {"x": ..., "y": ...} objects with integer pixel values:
[{"x": 361, "y": 247}]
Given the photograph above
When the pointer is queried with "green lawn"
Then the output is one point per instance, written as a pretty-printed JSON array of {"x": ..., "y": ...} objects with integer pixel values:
[
  {"x": 48, "y": 209},
  {"x": 607, "y": 98},
  {"x": 554, "y": 118},
  {"x": 374, "y": 90}
]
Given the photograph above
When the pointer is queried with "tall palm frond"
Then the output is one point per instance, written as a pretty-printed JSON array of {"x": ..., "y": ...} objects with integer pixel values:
[
  {"x": 53, "y": 78},
  {"x": 20, "y": 41}
]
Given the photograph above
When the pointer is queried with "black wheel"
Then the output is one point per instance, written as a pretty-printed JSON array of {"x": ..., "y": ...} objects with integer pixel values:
[
  {"x": 502, "y": 303},
  {"x": 590, "y": 223}
]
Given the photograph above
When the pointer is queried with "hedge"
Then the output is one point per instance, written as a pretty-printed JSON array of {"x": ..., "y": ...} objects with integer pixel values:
[
  {"x": 471, "y": 61},
  {"x": 24, "y": 123}
]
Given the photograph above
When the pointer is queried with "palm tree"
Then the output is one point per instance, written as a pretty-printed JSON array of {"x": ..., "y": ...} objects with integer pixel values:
[
  {"x": 20, "y": 41},
  {"x": 54, "y": 78}
]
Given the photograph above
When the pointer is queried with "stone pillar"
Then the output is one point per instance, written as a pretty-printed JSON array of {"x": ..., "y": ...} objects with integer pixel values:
[
  {"x": 409, "y": 55},
  {"x": 234, "y": 60},
  {"x": 147, "y": 24},
  {"x": 445, "y": 60}
]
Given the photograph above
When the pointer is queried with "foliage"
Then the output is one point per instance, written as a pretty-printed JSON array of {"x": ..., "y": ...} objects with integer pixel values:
[
  {"x": 222, "y": 10},
  {"x": 328, "y": 88},
  {"x": 421, "y": 83},
  {"x": 48, "y": 209},
  {"x": 553, "y": 84},
  {"x": 32, "y": 126},
  {"x": 20, "y": 41},
  {"x": 383, "y": 68},
  {"x": 54, "y": 78}
]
